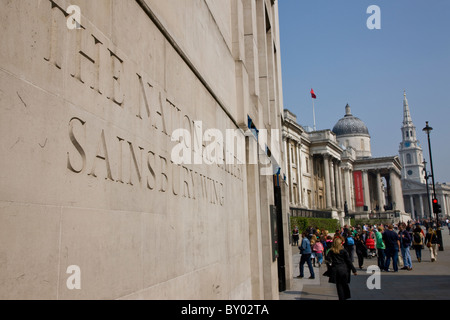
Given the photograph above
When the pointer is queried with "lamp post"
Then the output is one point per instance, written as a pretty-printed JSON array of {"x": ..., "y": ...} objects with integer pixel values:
[
  {"x": 428, "y": 129},
  {"x": 428, "y": 191}
]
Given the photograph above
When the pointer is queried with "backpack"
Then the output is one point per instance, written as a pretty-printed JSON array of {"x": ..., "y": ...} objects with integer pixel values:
[
  {"x": 350, "y": 241},
  {"x": 416, "y": 237}
]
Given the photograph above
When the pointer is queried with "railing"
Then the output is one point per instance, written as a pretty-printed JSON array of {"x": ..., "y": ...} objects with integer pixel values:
[
  {"x": 384, "y": 215},
  {"x": 376, "y": 215},
  {"x": 306, "y": 213}
]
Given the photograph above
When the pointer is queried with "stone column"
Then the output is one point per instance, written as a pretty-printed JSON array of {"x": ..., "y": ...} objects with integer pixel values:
[
  {"x": 326, "y": 167},
  {"x": 332, "y": 184},
  {"x": 380, "y": 192},
  {"x": 339, "y": 197},
  {"x": 341, "y": 186},
  {"x": 396, "y": 191},
  {"x": 365, "y": 178},
  {"x": 286, "y": 160},
  {"x": 347, "y": 188},
  {"x": 299, "y": 174},
  {"x": 411, "y": 203},
  {"x": 422, "y": 212},
  {"x": 289, "y": 171},
  {"x": 351, "y": 189},
  {"x": 443, "y": 203},
  {"x": 441, "y": 200},
  {"x": 393, "y": 191}
]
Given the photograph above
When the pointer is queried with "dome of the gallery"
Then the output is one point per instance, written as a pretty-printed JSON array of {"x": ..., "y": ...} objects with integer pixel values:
[{"x": 350, "y": 125}]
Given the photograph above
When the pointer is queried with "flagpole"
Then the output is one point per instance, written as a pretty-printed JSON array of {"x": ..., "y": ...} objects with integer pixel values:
[{"x": 314, "y": 114}]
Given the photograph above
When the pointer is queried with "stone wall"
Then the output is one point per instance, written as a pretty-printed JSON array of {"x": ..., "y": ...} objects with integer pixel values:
[{"x": 88, "y": 177}]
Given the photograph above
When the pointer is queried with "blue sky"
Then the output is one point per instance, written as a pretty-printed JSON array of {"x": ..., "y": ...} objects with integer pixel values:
[{"x": 326, "y": 45}]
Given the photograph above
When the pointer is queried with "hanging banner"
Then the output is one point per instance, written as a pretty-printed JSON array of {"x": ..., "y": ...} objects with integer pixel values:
[{"x": 359, "y": 191}]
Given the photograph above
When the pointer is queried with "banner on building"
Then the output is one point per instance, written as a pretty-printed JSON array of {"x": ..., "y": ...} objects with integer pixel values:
[{"x": 359, "y": 191}]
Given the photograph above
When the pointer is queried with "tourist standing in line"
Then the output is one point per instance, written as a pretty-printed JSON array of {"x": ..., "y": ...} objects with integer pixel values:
[
  {"x": 361, "y": 250},
  {"x": 392, "y": 242},
  {"x": 418, "y": 242},
  {"x": 341, "y": 266},
  {"x": 432, "y": 243},
  {"x": 318, "y": 252},
  {"x": 312, "y": 242},
  {"x": 350, "y": 246},
  {"x": 329, "y": 244},
  {"x": 295, "y": 236},
  {"x": 323, "y": 241},
  {"x": 380, "y": 247},
  {"x": 405, "y": 242},
  {"x": 305, "y": 251},
  {"x": 370, "y": 243}
]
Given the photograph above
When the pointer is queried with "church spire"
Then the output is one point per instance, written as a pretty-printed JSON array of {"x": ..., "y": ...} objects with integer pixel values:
[
  {"x": 411, "y": 156},
  {"x": 407, "y": 120}
]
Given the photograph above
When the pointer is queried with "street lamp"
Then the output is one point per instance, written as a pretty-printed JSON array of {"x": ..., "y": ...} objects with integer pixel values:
[
  {"x": 428, "y": 129},
  {"x": 428, "y": 191}
]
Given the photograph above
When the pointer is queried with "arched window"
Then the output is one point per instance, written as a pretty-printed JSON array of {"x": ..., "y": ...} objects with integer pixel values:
[{"x": 408, "y": 158}]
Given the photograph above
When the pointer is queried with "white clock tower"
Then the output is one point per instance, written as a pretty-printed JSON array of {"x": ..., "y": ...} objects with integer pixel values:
[{"x": 411, "y": 155}]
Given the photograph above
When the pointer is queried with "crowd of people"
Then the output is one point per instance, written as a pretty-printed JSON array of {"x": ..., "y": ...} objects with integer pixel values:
[{"x": 387, "y": 243}]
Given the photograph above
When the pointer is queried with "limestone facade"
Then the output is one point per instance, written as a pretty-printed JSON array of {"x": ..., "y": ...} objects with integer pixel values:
[
  {"x": 88, "y": 107},
  {"x": 332, "y": 171},
  {"x": 318, "y": 169}
]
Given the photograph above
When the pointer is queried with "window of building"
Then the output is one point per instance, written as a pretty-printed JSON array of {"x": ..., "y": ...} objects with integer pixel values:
[
  {"x": 292, "y": 155},
  {"x": 408, "y": 158}
]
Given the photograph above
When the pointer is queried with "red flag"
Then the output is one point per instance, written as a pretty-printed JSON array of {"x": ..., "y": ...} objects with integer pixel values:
[{"x": 313, "y": 95}]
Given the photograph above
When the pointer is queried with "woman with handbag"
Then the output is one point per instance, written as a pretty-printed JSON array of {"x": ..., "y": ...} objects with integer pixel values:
[
  {"x": 432, "y": 243},
  {"x": 339, "y": 267},
  {"x": 418, "y": 239}
]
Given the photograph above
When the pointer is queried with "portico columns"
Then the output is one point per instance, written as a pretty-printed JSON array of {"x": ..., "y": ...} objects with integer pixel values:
[
  {"x": 365, "y": 178},
  {"x": 337, "y": 185},
  {"x": 333, "y": 185},
  {"x": 380, "y": 192},
  {"x": 422, "y": 212},
  {"x": 289, "y": 169},
  {"x": 299, "y": 174},
  {"x": 395, "y": 184},
  {"x": 341, "y": 187},
  {"x": 347, "y": 188},
  {"x": 326, "y": 170},
  {"x": 411, "y": 202}
]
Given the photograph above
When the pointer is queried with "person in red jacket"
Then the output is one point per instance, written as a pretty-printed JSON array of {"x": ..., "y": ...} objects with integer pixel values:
[{"x": 370, "y": 244}]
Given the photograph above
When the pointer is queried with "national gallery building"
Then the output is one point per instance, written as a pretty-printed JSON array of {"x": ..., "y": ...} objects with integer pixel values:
[{"x": 331, "y": 173}]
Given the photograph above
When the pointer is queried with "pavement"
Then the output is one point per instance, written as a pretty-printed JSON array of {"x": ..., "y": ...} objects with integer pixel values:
[{"x": 427, "y": 281}]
